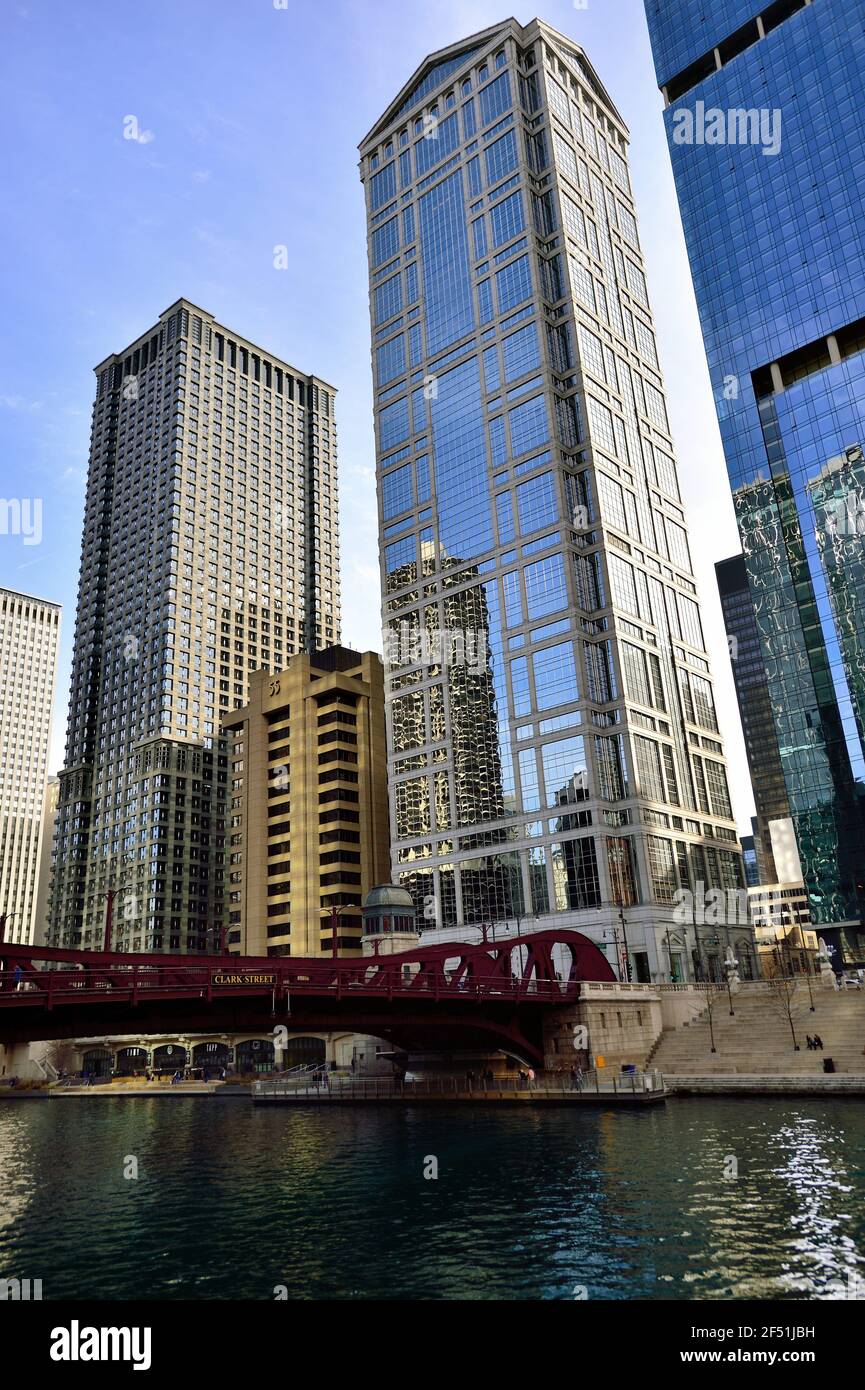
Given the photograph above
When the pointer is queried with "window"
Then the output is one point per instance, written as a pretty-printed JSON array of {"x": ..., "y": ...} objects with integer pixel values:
[
  {"x": 495, "y": 99},
  {"x": 530, "y": 426},
  {"x": 546, "y": 589},
  {"x": 507, "y": 219},
  {"x": 555, "y": 675},
  {"x": 537, "y": 504},
  {"x": 513, "y": 284},
  {"x": 501, "y": 158}
]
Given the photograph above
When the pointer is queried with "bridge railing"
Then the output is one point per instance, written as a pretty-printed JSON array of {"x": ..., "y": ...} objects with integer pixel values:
[{"x": 23, "y": 987}]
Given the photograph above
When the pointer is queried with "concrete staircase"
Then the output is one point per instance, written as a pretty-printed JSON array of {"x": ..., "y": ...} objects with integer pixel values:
[{"x": 757, "y": 1039}]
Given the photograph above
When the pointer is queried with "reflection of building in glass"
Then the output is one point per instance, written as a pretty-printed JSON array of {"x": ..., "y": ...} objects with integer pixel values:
[
  {"x": 782, "y": 925},
  {"x": 527, "y": 484},
  {"x": 750, "y": 858},
  {"x": 774, "y": 238},
  {"x": 838, "y": 495},
  {"x": 755, "y": 709}
]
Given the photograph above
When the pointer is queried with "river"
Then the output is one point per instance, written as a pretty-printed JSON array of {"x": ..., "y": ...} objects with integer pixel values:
[{"x": 697, "y": 1199}]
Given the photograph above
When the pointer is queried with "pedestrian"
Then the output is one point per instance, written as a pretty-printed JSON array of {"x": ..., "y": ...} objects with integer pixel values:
[
  {"x": 818, "y": 1042},
  {"x": 531, "y": 1076},
  {"x": 810, "y": 1042},
  {"x": 574, "y": 1082}
]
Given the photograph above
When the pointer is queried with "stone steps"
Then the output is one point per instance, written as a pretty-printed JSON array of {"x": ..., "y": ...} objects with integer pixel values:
[{"x": 757, "y": 1040}]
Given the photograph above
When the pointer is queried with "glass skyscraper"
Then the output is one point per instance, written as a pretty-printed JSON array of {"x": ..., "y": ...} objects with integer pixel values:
[
  {"x": 554, "y": 753},
  {"x": 766, "y": 129}
]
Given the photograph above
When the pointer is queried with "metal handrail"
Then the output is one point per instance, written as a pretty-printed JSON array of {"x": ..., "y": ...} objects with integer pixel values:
[{"x": 376, "y": 1087}]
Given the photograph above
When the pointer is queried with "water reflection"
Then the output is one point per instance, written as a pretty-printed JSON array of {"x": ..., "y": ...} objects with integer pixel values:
[{"x": 698, "y": 1200}]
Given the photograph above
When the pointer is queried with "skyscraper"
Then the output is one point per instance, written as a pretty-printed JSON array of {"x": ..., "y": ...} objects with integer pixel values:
[
  {"x": 308, "y": 814},
  {"x": 210, "y": 550},
  {"x": 766, "y": 131},
  {"x": 557, "y": 757},
  {"x": 29, "y": 637}
]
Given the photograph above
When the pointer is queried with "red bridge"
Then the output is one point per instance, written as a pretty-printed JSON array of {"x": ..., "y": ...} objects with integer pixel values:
[{"x": 436, "y": 998}]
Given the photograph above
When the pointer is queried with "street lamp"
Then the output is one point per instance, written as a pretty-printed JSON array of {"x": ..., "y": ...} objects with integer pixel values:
[
  {"x": 807, "y": 959},
  {"x": 335, "y": 913},
  {"x": 4, "y": 918},
  {"x": 109, "y": 897}
]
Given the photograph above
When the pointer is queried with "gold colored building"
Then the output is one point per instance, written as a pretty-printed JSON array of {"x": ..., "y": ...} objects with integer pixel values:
[{"x": 308, "y": 820}]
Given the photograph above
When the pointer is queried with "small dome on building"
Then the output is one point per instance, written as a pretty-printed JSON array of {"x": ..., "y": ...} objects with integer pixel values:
[
  {"x": 389, "y": 911},
  {"x": 389, "y": 895}
]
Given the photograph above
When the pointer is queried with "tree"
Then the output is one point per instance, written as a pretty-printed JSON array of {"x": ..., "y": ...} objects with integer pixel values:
[
  {"x": 60, "y": 1055},
  {"x": 781, "y": 989},
  {"x": 709, "y": 990}
]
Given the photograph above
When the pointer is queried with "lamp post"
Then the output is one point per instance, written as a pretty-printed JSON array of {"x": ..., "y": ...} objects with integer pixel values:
[
  {"x": 625, "y": 943},
  {"x": 4, "y": 918},
  {"x": 619, "y": 901},
  {"x": 335, "y": 913},
  {"x": 109, "y": 895}
]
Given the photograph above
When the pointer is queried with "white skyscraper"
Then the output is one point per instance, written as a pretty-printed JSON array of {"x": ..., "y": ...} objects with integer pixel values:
[{"x": 29, "y": 637}]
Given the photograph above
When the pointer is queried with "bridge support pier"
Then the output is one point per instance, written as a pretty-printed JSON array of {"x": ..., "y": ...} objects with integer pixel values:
[
  {"x": 617, "y": 1022},
  {"x": 23, "y": 1060}
]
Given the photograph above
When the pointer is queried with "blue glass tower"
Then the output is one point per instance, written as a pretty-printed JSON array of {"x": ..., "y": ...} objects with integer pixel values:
[
  {"x": 766, "y": 129},
  {"x": 554, "y": 753}
]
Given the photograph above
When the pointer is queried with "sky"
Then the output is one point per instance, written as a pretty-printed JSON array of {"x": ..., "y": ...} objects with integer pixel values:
[{"x": 248, "y": 115}]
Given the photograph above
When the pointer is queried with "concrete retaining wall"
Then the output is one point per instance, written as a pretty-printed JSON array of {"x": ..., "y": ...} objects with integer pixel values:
[{"x": 833, "y": 1085}]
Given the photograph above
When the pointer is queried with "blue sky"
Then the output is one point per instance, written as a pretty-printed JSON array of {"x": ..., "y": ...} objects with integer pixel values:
[{"x": 251, "y": 117}]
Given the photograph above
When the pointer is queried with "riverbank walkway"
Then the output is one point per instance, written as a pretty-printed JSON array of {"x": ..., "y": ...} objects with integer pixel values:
[{"x": 638, "y": 1088}]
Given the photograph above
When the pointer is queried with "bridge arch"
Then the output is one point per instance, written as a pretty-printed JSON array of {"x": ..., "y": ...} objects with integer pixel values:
[
  {"x": 128, "y": 1060},
  {"x": 169, "y": 1057},
  {"x": 98, "y": 1062},
  {"x": 254, "y": 1055},
  {"x": 304, "y": 1050}
]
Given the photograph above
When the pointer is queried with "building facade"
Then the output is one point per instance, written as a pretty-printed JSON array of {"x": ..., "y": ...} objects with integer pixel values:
[
  {"x": 554, "y": 753},
  {"x": 308, "y": 829},
  {"x": 43, "y": 889},
  {"x": 786, "y": 941},
  {"x": 209, "y": 552},
  {"x": 29, "y": 639},
  {"x": 767, "y": 137}
]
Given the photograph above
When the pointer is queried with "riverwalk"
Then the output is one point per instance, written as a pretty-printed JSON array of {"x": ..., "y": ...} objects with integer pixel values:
[{"x": 642, "y": 1088}]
